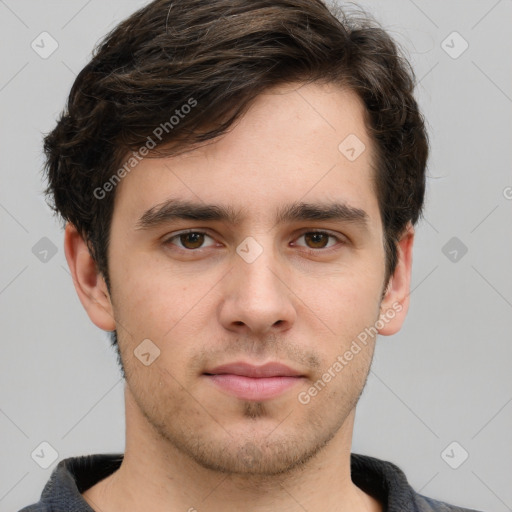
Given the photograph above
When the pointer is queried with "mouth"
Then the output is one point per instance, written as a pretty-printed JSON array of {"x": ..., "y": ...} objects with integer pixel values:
[{"x": 249, "y": 382}]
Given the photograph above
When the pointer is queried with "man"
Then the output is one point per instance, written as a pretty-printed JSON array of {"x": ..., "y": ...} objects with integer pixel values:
[{"x": 240, "y": 181}]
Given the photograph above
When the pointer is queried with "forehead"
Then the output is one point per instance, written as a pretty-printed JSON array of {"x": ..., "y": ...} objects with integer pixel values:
[{"x": 296, "y": 142}]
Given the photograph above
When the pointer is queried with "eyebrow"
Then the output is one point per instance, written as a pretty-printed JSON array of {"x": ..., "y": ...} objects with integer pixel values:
[{"x": 173, "y": 209}]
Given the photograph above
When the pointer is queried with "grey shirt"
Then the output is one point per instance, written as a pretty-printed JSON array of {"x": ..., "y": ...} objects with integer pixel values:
[{"x": 381, "y": 479}]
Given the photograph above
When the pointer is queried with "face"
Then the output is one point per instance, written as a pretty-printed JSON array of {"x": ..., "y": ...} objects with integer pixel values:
[{"x": 252, "y": 303}]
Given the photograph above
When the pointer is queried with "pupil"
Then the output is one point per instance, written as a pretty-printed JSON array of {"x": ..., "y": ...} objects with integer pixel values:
[
  {"x": 194, "y": 239},
  {"x": 317, "y": 238}
]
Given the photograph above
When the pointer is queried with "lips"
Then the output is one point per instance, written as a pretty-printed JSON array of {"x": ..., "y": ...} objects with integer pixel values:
[
  {"x": 250, "y": 382},
  {"x": 249, "y": 370}
]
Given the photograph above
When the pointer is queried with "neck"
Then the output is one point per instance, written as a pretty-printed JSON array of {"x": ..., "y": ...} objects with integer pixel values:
[{"x": 156, "y": 476}]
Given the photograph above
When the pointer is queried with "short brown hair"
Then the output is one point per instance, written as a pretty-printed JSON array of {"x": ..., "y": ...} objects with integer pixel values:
[{"x": 222, "y": 54}]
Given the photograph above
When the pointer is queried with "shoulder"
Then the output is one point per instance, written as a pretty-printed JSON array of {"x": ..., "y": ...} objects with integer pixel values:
[
  {"x": 426, "y": 504},
  {"x": 70, "y": 478},
  {"x": 388, "y": 483}
]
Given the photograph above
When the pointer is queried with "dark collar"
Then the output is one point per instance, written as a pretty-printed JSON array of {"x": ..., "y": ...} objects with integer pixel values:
[{"x": 381, "y": 479}]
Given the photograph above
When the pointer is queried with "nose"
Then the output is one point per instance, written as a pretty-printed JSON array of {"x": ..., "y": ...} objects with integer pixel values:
[{"x": 257, "y": 298}]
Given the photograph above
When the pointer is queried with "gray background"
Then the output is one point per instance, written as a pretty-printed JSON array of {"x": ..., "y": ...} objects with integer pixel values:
[{"x": 445, "y": 377}]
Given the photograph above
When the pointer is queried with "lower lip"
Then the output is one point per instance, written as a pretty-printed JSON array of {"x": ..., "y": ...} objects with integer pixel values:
[{"x": 250, "y": 388}]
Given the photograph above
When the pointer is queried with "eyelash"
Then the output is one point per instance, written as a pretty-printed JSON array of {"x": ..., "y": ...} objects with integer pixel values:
[{"x": 338, "y": 239}]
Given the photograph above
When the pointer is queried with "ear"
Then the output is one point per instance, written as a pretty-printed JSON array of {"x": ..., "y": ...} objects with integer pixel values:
[
  {"x": 395, "y": 304},
  {"x": 89, "y": 283}
]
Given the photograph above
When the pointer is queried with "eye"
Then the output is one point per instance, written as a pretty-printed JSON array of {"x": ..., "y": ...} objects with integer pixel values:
[
  {"x": 189, "y": 240},
  {"x": 318, "y": 239},
  {"x": 195, "y": 240}
]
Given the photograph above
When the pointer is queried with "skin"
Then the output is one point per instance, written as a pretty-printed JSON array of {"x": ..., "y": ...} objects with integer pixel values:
[{"x": 190, "y": 445}]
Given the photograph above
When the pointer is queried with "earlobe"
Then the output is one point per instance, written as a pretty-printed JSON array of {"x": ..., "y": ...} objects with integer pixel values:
[
  {"x": 89, "y": 283},
  {"x": 395, "y": 303}
]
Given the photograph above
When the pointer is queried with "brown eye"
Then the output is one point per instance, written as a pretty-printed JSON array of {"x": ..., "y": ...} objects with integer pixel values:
[
  {"x": 317, "y": 240},
  {"x": 192, "y": 240}
]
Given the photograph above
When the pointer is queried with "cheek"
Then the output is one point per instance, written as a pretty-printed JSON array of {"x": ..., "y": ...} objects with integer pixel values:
[
  {"x": 174, "y": 313},
  {"x": 153, "y": 299},
  {"x": 345, "y": 304}
]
